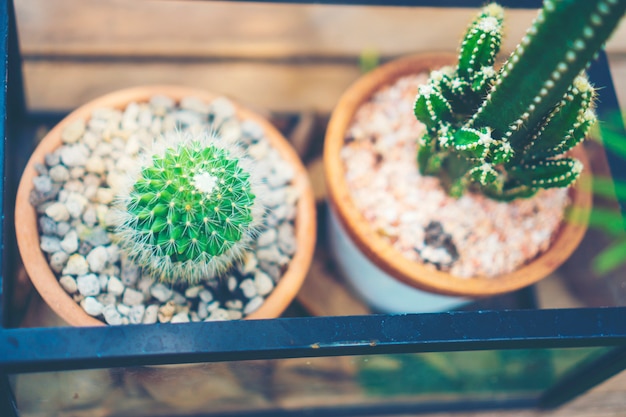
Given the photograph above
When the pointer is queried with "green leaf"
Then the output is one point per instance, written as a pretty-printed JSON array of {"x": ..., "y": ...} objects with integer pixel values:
[{"x": 610, "y": 259}]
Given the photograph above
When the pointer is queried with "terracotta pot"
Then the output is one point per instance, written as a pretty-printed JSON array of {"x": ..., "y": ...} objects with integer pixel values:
[
  {"x": 45, "y": 281},
  {"x": 387, "y": 259}
]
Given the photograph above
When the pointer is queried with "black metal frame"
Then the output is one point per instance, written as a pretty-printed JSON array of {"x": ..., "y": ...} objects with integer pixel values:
[{"x": 49, "y": 349}]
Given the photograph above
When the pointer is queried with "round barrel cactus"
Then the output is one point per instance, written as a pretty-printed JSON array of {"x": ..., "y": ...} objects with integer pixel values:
[{"x": 190, "y": 211}]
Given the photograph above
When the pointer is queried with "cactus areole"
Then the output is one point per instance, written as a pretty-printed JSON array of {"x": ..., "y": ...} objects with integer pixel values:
[
  {"x": 189, "y": 212},
  {"x": 505, "y": 133}
]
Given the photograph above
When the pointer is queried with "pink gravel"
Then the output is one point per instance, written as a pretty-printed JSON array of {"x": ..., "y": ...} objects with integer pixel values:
[{"x": 490, "y": 237}]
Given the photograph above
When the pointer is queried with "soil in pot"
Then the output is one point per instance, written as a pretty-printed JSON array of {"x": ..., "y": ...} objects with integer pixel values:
[{"x": 70, "y": 187}]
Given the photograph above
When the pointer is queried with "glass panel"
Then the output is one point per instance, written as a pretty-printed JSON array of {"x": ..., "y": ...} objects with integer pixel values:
[{"x": 412, "y": 380}]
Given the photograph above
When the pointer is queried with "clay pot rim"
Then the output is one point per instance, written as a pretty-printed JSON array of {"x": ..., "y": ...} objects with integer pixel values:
[
  {"x": 44, "y": 279},
  {"x": 391, "y": 261}
]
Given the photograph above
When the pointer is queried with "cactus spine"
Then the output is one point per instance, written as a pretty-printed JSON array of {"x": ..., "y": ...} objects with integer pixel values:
[
  {"x": 505, "y": 133},
  {"x": 190, "y": 211}
]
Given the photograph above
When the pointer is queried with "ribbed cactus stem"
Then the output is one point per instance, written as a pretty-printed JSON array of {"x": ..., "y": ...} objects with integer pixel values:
[
  {"x": 561, "y": 42},
  {"x": 189, "y": 211}
]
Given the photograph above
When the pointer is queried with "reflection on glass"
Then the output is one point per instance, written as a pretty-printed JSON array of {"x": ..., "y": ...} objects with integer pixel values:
[{"x": 296, "y": 384}]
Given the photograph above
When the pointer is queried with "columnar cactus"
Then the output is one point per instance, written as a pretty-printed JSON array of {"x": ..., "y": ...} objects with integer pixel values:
[
  {"x": 505, "y": 132},
  {"x": 190, "y": 210}
]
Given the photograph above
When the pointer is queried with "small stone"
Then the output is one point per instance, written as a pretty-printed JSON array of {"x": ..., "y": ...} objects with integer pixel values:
[
  {"x": 84, "y": 248},
  {"x": 69, "y": 284},
  {"x": 63, "y": 228},
  {"x": 74, "y": 155},
  {"x": 248, "y": 288},
  {"x": 73, "y": 132},
  {"x": 263, "y": 283},
  {"x": 88, "y": 285},
  {"x": 76, "y": 204},
  {"x": 115, "y": 286},
  {"x": 270, "y": 254},
  {"x": 104, "y": 281},
  {"x": 90, "y": 216},
  {"x": 253, "y": 305},
  {"x": 206, "y": 296},
  {"x": 58, "y": 212},
  {"x": 53, "y": 158},
  {"x": 179, "y": 299},
  {"x": 161, "y": 292},
  {"x": 58, "y": 260},
  {"x": 104, "y": 195},
  {"x": 287, "y": 239},
  {"x": 111, "y": 315},
  {"x": 180, "y": 318},
  {"x": 43, "y": 184},
  {"x": 113, "y": 252},
  {"x": 132, "y": 297},
  {"x": 166, "y": 312},
  {"x": 213, "y": 306},
  {"x": 50, "y": 244},
  {"x": 59, "y": 173},
  {"x": 219, "y": 314},
  {"x": 95, "y": 165},
  {"x": 97, "y": 258},
  {"x": 76, "y": 177},
  {"x": 231, "y": 282},
  {"x": 76, "y": 265},
  {"x": 92, "y": 306},
  {"x": 203, "y": 311},
  {"x": 193, "y": 292},
  {"x": 107, "y": 299},
  {"x": 123, "y": 309},
  {"x": 252, "y": 130},
  {"x": 70, "y": 242},
  {"x": 137, "y": 314},
  {"x": 267, "y": 238},
  {"x": 47, "y": 226},
  {"x": 150, "y": 315},
  {"x": 235, "y": 315}
]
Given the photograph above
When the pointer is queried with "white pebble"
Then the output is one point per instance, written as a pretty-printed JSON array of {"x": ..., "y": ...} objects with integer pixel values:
[
  {"x": 88, "y": 285},
  {"x": 180, "y": 318},
  {"x": 70, "y": 242},
  {"x": 74, "y": 155},
  {"x": 137, "y": 314},
  {"x": 69, "y": 284},
  {"x": 253, "y": 305},
  {"x": 263, "y": 283},
  {"x": 76, "y": 265},
  {"x": 115, "y": 286},
  {"x": 193, "y": 292},
  {"x": 161, "y": 292},
  {"x": 267, "y": 238},
  {"x": 97, "y": 258},
  {"x": 76, "y": 204},
  {"x": 219, "y": 314},
  {"x": 206, "y": 296},
  {"x": 59, "y": 173},
  {"x": 92, "y": 306},
  {"x": 58, "y": 212},
  {"x": 104, "y": 195},
  {"x": 95, "y": 165},
  {"x": 287, "y": 239},
  {"x": 132, "y": 297},
  {"x": 150, "y": 315},
  {"x": 248, "y": 288},
  {"x": 111, "y": 315},
  {"x": 73, "y": 132},
  {"x": 123, "y": 309},
  {"x": 50, "y": 244},
  {"x": 58, "y": 260}
]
